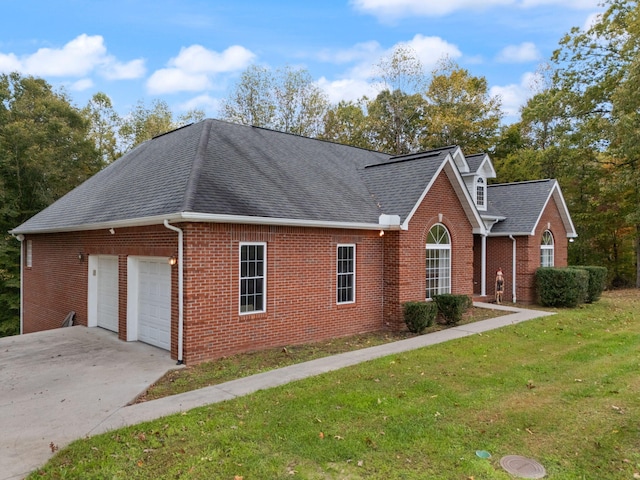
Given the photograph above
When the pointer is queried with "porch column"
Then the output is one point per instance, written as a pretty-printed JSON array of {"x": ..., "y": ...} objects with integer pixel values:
[{"x": 483, "y": 267}]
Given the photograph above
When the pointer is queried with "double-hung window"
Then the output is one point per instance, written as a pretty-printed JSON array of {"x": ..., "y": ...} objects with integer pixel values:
[
  {"x": 346, "y": 271},
  {"x": 438, "y": 261},
  {"x": 253, "y": 277},
  {"x": 546, "y": 249},
  {"x": 481, "y": 193}
]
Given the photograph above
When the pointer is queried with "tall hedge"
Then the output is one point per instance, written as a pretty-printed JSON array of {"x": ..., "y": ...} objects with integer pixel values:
[
  {"x": 597, "y": 282},
  {"x": 561, "y": 287},
  {"x": 419, "y": 315}
]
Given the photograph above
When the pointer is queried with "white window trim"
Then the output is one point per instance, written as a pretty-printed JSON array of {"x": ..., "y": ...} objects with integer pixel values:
[
  {"x": 264, "y": 278},
  {"x": 548, "y": 249},
  {"x": 440, "y": 246},
  {"x": 29, "y": 254},
  {"x": 353, "y": 274},
  {"x": 481, "y": 185}
]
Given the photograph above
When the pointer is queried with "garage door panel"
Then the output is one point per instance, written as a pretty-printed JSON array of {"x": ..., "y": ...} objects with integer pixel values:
[
  {"x": 154, "y": 303},
  {"x": 107, "y": 298}
]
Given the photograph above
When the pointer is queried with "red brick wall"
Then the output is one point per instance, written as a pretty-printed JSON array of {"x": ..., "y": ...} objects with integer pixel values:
[
  {"x": 408, "y": 274},
  {"x": 301, "y": 288},
  {"x": 57, "y": 282},
  {"x": 499, "y": 254}
]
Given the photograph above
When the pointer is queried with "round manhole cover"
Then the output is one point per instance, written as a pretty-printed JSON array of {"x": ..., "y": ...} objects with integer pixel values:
[{"x": 522, "y": 467}]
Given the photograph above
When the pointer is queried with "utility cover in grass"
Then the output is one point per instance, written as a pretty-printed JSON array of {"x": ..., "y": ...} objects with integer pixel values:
[{"x": 522, "y": 467}]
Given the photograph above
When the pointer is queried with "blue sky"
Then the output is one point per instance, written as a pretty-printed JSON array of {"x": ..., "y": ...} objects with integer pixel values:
[{"x": 189, "y": 53}]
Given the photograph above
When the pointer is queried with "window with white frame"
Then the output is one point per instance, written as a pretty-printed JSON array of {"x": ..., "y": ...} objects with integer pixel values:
[
  {"x": 253, "y": 279},
  {"x": 346, "y": 271},
  {"x": 29, "y": 254},
  {"x": 546, "y": 250},
  {"x": 438, "y": 261},
  {"x": 481, "y": 192}
]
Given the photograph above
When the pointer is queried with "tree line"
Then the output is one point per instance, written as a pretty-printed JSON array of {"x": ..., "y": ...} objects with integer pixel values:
[{"x": 581, "y": 126}]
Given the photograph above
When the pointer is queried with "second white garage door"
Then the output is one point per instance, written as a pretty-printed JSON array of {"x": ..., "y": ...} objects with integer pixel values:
[{"x": 154, "y": 303}]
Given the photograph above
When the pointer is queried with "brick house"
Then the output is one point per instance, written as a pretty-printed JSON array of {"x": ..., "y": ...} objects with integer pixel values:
[{"x": 217, "y": 238}]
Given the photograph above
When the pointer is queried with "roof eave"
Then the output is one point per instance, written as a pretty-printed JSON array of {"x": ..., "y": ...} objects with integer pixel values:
[{"x": 383, "y": 224}]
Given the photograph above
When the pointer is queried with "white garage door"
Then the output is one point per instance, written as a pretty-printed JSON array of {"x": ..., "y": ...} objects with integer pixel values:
[
  {"x": 154, "y": 303},
  {"x": 107, "y": 299}
]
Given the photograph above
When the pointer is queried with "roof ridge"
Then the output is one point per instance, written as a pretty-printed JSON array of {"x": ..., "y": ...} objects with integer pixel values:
[
  {"x": 540, "y": 180},
  {"x": 196, "y": 166}
]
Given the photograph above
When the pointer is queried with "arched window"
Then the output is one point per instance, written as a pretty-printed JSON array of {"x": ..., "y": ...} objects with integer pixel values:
[
  {"x": 481, "y": 190},
  {"x": 438, "y": 261},
  {"x": 546, "y": 249}
]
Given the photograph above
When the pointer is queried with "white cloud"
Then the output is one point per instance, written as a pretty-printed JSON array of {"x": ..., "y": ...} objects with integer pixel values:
[
  {"x": 389, "y": 10},
  {"x": 515, "y": 96},
  {"x": 124, "y": 71},
  {"x": 197, "y": 59},
  {"x": 192, "y": 70},
  {"x": 523, "y": 53},
  {"x": 392, "y": 10},
  {"x": 348, "y": 89},
  {"x": 432, "y": 49},
  {"x": 81, "y": 85},
  {"x": 82, "y": 56},
  {"x": 204, "y": 102},
  {"x": 171, "y": 80}
]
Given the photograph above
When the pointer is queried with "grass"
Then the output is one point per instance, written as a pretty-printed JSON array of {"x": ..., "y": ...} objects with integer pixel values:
[
  {"x": 244, "y": 365},
  {"x": 560, "y": 389}
]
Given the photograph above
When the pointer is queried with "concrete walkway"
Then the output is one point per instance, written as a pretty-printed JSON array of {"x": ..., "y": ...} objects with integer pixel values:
[
  {"x": 141, "y": 412},
  {"x": 40, "y": 425}
]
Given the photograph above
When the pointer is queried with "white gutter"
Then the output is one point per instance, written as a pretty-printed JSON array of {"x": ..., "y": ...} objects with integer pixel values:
[
  {"x": 180, "y": 287},
  {"x": 513, "y": 267},
  {"x": 20, "y": 238},
  {"x": 215, "y": 218}
]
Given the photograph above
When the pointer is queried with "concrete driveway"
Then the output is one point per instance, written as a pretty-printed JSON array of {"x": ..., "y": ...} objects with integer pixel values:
[{"x": 60, "y": 385}]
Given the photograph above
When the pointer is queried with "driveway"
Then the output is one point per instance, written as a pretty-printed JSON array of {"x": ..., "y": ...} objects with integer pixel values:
[{"x": 60, "y": 385}]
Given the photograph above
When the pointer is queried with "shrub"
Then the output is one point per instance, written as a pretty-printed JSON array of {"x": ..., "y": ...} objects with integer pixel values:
[
  {"x": 419, "y": 315},
  {"x": 561, "y": 287},
  {"x": 597, "y": 282},
  {"x": 452, "y": 307}
]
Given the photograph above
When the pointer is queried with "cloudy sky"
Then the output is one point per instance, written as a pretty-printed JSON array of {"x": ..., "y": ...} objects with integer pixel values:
[{"x": 189, "y": 53}]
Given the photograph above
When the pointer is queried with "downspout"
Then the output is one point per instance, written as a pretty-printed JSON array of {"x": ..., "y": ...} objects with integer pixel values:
[
  {"x": 513, "y": 267},
  {"x": 483, "y": 267},
  {"x": 180, "y": 287},
  {"x": 20, "y": 238}
]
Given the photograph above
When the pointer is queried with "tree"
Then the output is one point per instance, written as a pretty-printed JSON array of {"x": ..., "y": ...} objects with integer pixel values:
[
  {"x": 104, "y": 123},
  {"x": 459, "y": 110},
  {"x": 395, "y": 115},
  {"x": 45, "y": 150},
  {"x": 287, "y": 100},
  {"x": 598, "y": 67},
  {"x": 144, "y": 123},
  {"x": 346, "y": 123}
]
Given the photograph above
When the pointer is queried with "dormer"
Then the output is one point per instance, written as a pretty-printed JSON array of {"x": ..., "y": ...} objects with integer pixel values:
[{"x": 480, "y": 169}]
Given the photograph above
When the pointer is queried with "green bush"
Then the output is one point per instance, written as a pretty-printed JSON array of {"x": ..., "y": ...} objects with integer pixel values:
[
  {"x": 419, "y": 315},
  {"x": 597, "y": 282},
  {"x": 452, "y": 307},
  {"x": 561, "y": 287}
]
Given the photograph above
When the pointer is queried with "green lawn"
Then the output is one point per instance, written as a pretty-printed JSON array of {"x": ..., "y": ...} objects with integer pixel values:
[{"x": 564, "y": 390}]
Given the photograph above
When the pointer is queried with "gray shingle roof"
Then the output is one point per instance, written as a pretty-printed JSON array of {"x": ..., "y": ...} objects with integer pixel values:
[
  {"x": 521, "y": 203},
  {"x": 216, "y": 168}
]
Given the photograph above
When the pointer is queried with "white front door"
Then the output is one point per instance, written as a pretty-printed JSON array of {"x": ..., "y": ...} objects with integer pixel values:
[
  {"x": 154, "y": 302},
  {"x": 107, "y": 292}
]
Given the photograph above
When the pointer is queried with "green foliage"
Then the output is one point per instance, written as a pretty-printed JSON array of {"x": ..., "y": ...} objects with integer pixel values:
[
  {"x": 597, "y": 282},
  {"x": 452, "y": 307},
  {"x": 419, "y": 316},
  {"x": 561, "y": 287},
  {"x": 45, "y": 151},
  {"x": 286, "y": 100}
]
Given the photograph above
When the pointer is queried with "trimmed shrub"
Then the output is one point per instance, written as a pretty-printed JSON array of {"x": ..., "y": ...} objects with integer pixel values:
[
  {"x": 561, "y": 287},
  {"x": 419, "y": 315},
  {"x": 452, "y": 307},
  {"x": 597, "y": 282}
]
